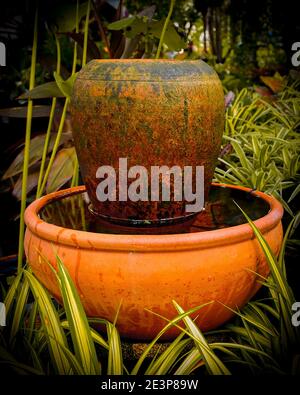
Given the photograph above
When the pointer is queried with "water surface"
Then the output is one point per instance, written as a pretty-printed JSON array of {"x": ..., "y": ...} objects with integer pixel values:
[{"x": 220, "y": 212}]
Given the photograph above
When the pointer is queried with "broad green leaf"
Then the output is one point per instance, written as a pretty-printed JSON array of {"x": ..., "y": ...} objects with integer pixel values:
[
  {"x": 65, "y": 16},
  {"x": 170, "y": 324},
  {"x": 274, "y": 267},
  {"x": 35, "y": 154},
  {"x": 188, "y": 364},
  {"x": 142, "y": 24},
  {"x": 263, "y": 340},
  {"x": 115, "y": 359},
  {"x": 252, "y": 321},
  {"x": 66, "y": 86},
  {"x": 62, "y": 169},
  {"x": 39, "y": 111},
  {"x": 172, "y": 39},
  {"x": 19, "y": 309},
  {"x": 44, "y": 91}
]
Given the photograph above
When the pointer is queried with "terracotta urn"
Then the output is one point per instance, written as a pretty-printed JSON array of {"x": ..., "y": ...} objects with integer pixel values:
[
  {"x": 149, "y": 113},
  {"x": 145, "y": 273}
]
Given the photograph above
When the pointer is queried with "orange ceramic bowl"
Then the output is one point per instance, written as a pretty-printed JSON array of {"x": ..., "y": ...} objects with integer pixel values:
[{"x": 149, "y": 271}]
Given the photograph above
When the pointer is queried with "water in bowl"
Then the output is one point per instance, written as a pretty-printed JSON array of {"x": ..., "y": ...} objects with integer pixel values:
[{"x": 72, "y": 211}]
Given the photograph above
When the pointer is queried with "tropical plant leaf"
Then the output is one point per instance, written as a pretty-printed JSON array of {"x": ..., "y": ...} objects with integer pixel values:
[
  {"x": 39, "y": 111},
  {"x": 32, "y": 181},
  {"x": 95, "y": 335},
  {"x": 142, "y": 24},
  {"x": 79, "y": 327},
  {"x": 122, "y": 23},
  {"x": 193, "y": 359},
  {"x": 172, "y": 39},
  {"x": 51, "y": 324},
  {"x": 44, "y": 91},
  {"x": 35, "y": 154},
  {"x": 66, "y": 86},
  {"x": 62, "y": 169},
  {"x": 213, "y": 364},
  {"x": 19, "y": 309}
]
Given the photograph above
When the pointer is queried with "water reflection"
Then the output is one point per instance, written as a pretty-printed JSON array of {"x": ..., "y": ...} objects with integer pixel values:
[{"x": 220, "y": 212}]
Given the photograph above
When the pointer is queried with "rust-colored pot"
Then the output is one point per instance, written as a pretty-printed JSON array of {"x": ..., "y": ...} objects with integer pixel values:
[
  {"x": 153, "y": 113},
  {"x": 149, "y": 271}
]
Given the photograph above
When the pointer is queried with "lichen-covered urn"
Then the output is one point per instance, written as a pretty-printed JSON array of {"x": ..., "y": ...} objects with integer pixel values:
[{"x": 148, "y": 113}]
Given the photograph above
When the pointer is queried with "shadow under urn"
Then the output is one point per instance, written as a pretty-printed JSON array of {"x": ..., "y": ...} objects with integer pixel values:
[{"x": 147, "y": 271}]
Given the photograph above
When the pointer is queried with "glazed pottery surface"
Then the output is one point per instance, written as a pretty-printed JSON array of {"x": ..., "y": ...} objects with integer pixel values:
[
  {"x": 149, "y": 271},
  {"x": 153, "y": 113}
]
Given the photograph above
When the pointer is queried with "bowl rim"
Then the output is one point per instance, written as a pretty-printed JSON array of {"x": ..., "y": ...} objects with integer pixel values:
[{"x": 147, "y": 243}]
